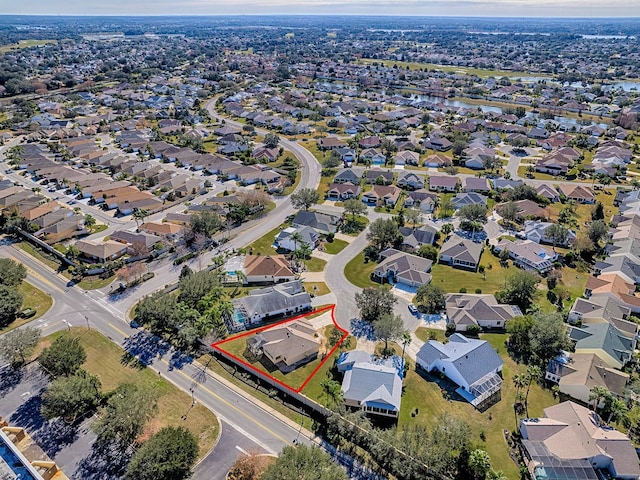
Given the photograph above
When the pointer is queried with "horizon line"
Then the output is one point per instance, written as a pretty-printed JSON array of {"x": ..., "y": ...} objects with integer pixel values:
[{"x": 293, "y": 15}]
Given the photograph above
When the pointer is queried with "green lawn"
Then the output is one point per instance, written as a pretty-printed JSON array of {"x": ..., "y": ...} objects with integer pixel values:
[
  {"x": 359, "y": 273},
  {"x": 583, "y": 212},
  {"x": 451, "y": 279},
  {"x": 424, "y": 393},
  {"x": 106, "y": 360},
  {"x": 335, "y": 247},
  {"x": 99, "y": 228},
  {"x": 32, "y": 298},
  {"x": 353, "y": 226},
  {"x": 264, "y": 245},
  {"x": 293, "y": 379},
  {"x": 24, "y": 44},
  {"x": 426, "y": 334},
  {"x": 314, "y": 264},
  {"x": 316, "y": 288},
  {"x": 95, "y": 283}
]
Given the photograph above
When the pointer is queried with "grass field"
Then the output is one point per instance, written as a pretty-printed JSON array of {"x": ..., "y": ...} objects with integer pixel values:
[
  {"x": 95, "y": 283},
  {"x": 335, "y": 247},
  {"x": 105, "y": 359},
  {"x": 424, "y": 393},
  {"x": 450, "y": 68},
  {"x": 33, "y": 298},
  {"x": 359, "y": 273},
  {"x": 25, "y": 44},
  {"x": 39, "y": 255}
]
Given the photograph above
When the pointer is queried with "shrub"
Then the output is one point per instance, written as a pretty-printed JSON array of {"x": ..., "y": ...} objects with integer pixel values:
[
  {"x": 463, "y": 290},
  {"x": 478, "y": 291}
]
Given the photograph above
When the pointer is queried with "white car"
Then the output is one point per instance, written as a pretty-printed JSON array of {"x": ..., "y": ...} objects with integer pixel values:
[{"x": 413, "y": 309}]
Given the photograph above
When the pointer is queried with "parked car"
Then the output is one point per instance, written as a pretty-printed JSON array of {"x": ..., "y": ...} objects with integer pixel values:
[{"x": 413, "y": 309}]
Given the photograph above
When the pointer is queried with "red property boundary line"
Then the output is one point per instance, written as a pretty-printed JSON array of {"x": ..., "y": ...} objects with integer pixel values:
[{"x": 248, "y": 366}]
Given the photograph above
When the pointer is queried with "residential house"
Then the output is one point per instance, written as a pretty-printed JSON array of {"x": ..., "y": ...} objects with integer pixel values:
[
  {"x": 528, "y": 254},
  {"x": 441, "y": 144},
  {"x": 414, "y": 238},
  {"x": 322, "y": 223},
  {"x": 410, "y": 180},
  {"x": 547, "y": 191},
  {"x": 407, "y": 157},
  {"x": 443, "y": 183},
  {"x": 462, "y": 199},
  {"x": 372, "y": 156},
  {"x": 279, "y": 300},
  {"x": 342, "y": 191},
  {"x": 66, "y": 228},
  {"x": 471, "y": 364},
  {"x": 138, "y": 242},
  {"x": 286, "y": 239},
  {"x": 482, "y": 310},
  {"x": 527, "y": 210},
  {"x": 267, "y": 269},
  {"x": 476, "y": 184},
  {"x": 378, "y": 176},
  {"x": 286, "y": 346},
  {"x": 437, "y": 160},
  {"x": 331, "y": 143},
  {"x": 627, "y": 266},
  {"x": 347, "y": 175},
  {"x": 170, "y": 231},
  {"x": 460, "y": 252},
  {"x": 577, "y": 193},
  {"x": 613, "y": 284},
  {"x": 101, "y": 252},
  {"x": 403, "y": 268},
  {"x": 612, "y": 345},
  {"x": 536, "y": 231},
  {"x": 576, "y": 374},
  {"x": 382, "y": 195},
  {"x": 371, "y": 385},
  {"x": 572, "y": 440},
  {"x": 501, "y": 184},
  {"x": 423, "y": 198}
]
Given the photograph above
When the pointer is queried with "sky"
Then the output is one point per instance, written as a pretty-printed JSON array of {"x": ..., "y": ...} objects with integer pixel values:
[{"x": 489, "y": 8}]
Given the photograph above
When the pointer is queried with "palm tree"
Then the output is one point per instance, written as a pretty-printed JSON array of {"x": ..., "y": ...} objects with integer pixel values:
[
  {"x": 519, "y": 380},
  {"x": 139, "y": 215},
  {"x": 240, "y": 279},
  {"x": 617, "y": 409},
  {"x": 597, "y": 394},
  {"x": 533, "y": 374},
  {"x": 304, "y": 251},
  {"x": 332, "y": 390},
  {"x": 89, "y": 221},
  {"x": 406, "y": 341}
]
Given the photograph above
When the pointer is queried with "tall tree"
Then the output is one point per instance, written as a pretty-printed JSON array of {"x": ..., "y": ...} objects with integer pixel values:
[
  {"x": 597, "y": 231},
  {"x": 354, "y": 207},
  {"x": 271, "y": 140},
  {"x": 388, "y": 327},
  {"x": 521, "y": 289},
  {"x": 206, "y": 223},
  {"x": 479, "y": 464},
  {"x": 18, "y": 345},
  {"x": 597, "y": 212},
  {"x": 13, "y": 273},
  {"x": 127, "y": 411},
  {"x": 304, "y": 198},
  {"x": 168, "y": 455},
  {"x": 509, "y": 212},
  {"x": 375, "y": 302},
  {"x": 557, "y": 233},
  {"x": 384, "y": 233},
  {"x": 547, "y": 337},
  {"x": 10, "y": 302},
  {"x": 430, "y": 297},
  {"x": 303, "y": 463},
  {"x": 64, "y": 357},
  {"x": 139, "y": 215},
  {"x": 71, "y": 397}
]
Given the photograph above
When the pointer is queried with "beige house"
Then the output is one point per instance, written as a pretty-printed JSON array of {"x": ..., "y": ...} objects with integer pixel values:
[
  {"x": 267, "y": 269},
  {"x": 101, "y": 252},
  {"x": 287, "y": 346}
]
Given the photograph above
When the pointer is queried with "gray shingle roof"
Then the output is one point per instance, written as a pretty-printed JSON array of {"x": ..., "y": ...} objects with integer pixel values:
[{"x": 374, "y": 385}]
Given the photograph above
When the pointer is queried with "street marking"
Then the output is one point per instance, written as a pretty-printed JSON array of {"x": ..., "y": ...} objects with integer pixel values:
[
  {"x": 229, "y": 404},
  {"x": 241, "y": 450},
  {"x": 126, "y": 335}
]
